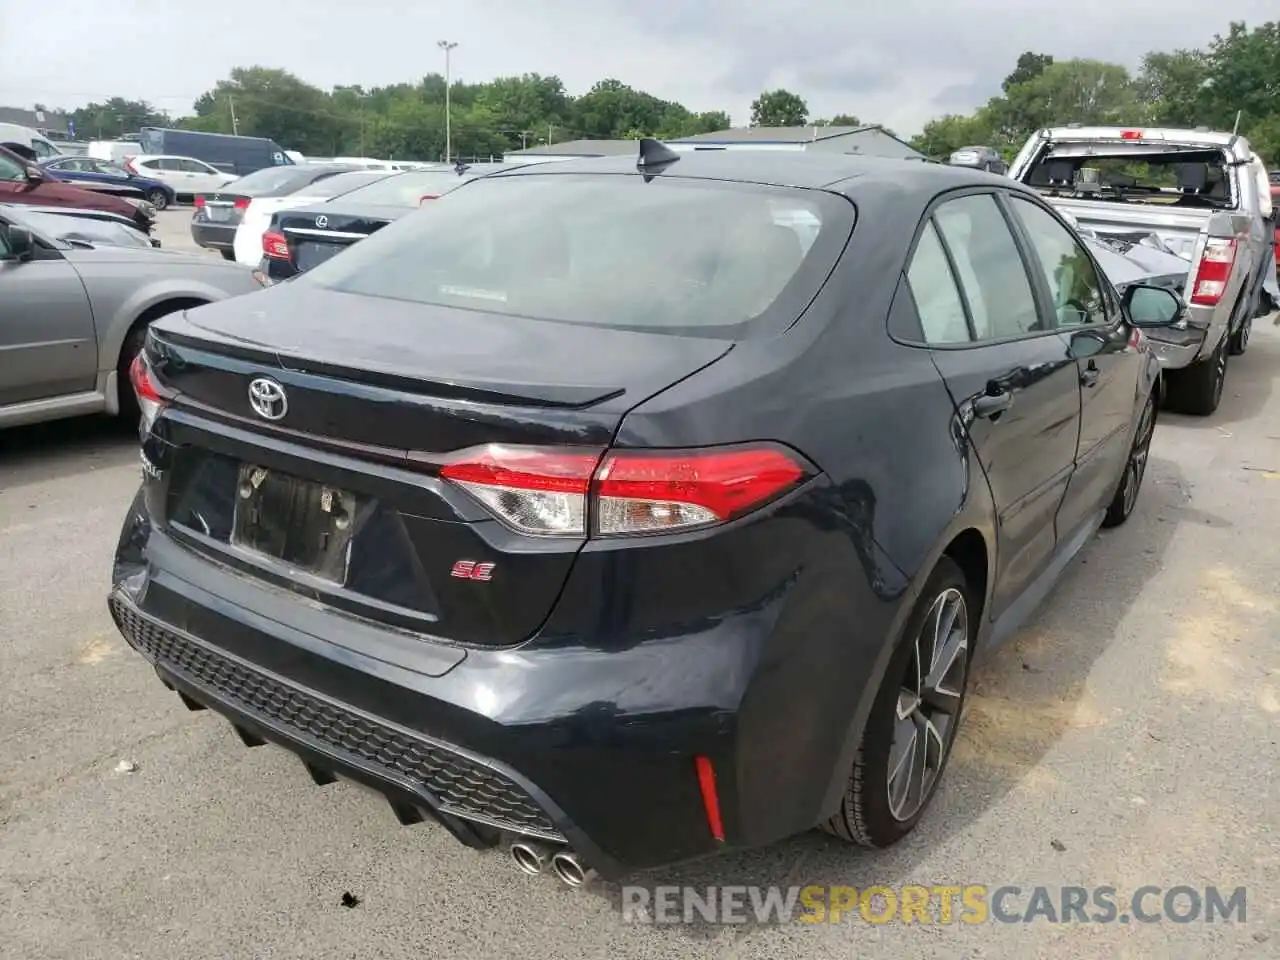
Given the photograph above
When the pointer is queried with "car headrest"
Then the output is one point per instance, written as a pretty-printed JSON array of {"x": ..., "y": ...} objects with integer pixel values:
[
  {"x": 1062, "y": 172},
  {"x": 1193, "y": 177}
]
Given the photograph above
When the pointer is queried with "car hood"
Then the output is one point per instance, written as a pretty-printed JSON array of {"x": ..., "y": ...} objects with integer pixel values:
[{"x": 151, "y": 255}]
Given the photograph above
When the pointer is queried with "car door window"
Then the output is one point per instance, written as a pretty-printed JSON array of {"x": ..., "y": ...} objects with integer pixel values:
[
  {"x": 933, "y": 287},
  {"x": 195, "y": 166},
  {"x": 1068, "y": 270},
  {"x": 164, "y": 163},
  {"x": 992, "y": 276}
]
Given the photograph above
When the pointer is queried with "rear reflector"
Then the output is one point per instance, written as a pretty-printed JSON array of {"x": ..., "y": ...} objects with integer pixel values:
[
  {"x": 567, "y": 491},
  {"x": 199, "y": 200},
  {"x": 710, "y": 796},
  {"x": 275, "y": 246},
  {"x": 1214, "y": 271}
]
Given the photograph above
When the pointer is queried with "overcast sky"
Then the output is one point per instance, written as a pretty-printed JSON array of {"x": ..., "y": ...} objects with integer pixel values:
[{"x": 897, "y": 62}]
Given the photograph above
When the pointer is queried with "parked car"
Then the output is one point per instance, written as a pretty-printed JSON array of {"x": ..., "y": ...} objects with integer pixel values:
[
  {"x": 297, "y": 239},
  {"x": 23, "y": 182},
  {"x": 185, "y": 176},
  {"x": 979, "y": 158},
  {"x": 110, "y": 178},
  {"x": 218, "y": 213},
  {"x": 41, "y": 147},
  {"x": 76, "y": 224},
  {"x": 1193, "y": 189},
  {"x": 73, "y": 312},
  {"x": 603, "y": 508},
  {"x": 257, "y": 215}
]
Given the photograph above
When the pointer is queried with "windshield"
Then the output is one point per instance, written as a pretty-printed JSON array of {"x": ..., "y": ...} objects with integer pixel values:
[
  {"x": 1179, "y": 178},
  {"x": 693, "y": 257},
  {"x": 341, "y": 183},
  {"x": 407, "y": 189}
]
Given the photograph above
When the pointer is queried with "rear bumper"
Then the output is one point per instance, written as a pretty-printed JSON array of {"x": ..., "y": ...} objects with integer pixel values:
[
  {"x": 590, "y": 748},
  {"x": 216, "y": 236},
  {"x": 1177, "y": 348}
]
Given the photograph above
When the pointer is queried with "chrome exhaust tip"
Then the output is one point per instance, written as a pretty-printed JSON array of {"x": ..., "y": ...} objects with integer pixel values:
[
  {"x": 529, "y": 857},
  {"x": 570, "y": 870}
]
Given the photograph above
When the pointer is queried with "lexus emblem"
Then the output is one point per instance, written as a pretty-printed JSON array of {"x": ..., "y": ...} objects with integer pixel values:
[
  {"x": 268, "y": 399},
  {"x": 322, "y": 221}
]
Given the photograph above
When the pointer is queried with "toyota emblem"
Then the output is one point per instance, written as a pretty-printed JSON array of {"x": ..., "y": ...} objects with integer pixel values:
[
  {"x": 268, "y": 399},
  {"x": 322, "y": 221}
]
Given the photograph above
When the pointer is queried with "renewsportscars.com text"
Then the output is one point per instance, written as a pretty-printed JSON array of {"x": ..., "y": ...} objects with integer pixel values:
[{"x": 935, "y": 904}]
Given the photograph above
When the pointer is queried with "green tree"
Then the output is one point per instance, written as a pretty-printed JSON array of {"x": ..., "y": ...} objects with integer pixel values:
[
  {"x": 779, "y": 108},
  {"x": 264, "y": 102},
  {"x": 1029, "y": 66},
  {"x": 945, "y": 135},
  {"x": 1072, "y": 91},
  {"x": 115, "y": 116},
  {"x": 1171, "y": 87},
  {"x": 1244, "y": 68}
]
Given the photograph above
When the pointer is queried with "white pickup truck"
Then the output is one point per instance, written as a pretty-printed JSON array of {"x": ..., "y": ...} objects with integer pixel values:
[{"x": 1195, "y": 193}]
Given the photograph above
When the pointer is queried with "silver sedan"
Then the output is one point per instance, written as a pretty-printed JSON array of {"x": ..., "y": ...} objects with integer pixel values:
[{"x": 73, "y": 313}]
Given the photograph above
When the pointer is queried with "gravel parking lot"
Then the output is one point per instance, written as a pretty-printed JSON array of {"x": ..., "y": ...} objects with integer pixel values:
[{"x": 1128, "y": 737}]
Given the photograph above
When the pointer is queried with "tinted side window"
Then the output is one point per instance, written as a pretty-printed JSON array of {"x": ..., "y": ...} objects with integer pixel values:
[
  {"x": 164, "y": 164},
  {"x": 1071, "y": 275},
  {"x": 933, "y": 287},
  {"x": 994, "y": 281},
  {"x": 10, "y": 170}
]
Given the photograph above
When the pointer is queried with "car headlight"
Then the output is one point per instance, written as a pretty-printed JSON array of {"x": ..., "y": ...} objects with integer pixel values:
[{"x": 147, "y": 209}]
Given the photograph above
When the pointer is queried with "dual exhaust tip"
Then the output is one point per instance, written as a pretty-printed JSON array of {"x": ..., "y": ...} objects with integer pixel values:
[{"x": 533, "y": 858}]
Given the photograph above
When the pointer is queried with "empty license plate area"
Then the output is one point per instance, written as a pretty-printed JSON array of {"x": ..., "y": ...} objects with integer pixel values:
[{"x": 299, "y": 522}]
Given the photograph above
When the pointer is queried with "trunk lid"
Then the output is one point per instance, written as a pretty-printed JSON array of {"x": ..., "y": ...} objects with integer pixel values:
[
  {"x": 1179, "y": 229},
  {"x": 378, "y": 392},
  {"x": 315, "y": 235},
  {"x": 223, "y": 206}
]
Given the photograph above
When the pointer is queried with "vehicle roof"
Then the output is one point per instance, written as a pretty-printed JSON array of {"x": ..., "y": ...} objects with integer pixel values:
[{"x": 840, "y": 173}]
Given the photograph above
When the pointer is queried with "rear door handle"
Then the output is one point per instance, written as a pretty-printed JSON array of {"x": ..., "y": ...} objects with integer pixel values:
[
  {"x": 989, "y": 405},
  {"x": 1090, "y": 375}
]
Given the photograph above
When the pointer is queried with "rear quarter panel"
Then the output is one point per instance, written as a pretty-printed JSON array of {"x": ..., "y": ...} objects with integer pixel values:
[
  {"x": 900, "y": 482},
  {"x": 121, "y": 291}
]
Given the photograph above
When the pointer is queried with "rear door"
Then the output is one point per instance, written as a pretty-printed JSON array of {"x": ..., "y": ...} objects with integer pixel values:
[
  {"x": 1012, "y": 377},
  {"x": 1088, "y": 316}
]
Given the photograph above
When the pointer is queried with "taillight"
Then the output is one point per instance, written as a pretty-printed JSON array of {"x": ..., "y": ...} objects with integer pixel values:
[
  {"x": 427, "y": 196},
  {"x": 242, "y": 203},
  {"x": 566, "y": 492},
  {"x": 275, "y": 246},
  {"x": 151, "y": 397},
  {"x": 1213, "y": 272},
  {"x": 128, "y": 165},
  {"x": 1130, "y": 134}
]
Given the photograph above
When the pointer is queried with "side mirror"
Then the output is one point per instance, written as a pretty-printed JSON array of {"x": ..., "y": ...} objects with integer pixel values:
[
  {"x": 1151, "y": 306},
  {"x": 20, "y": 242},
  {"x": 34, "y": 175}
]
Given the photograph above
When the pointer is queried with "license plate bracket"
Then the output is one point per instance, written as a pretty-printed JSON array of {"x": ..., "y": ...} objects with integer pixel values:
[{"x": 304, "y": 524}]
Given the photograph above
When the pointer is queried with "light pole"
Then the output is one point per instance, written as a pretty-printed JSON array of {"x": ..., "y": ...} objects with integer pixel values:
[{"x": 446, "y": 46}]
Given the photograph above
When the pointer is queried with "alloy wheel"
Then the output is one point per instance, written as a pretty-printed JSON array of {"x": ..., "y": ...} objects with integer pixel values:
[
  {"x": 928, "y": 704},
  {"x": 1138, "y": 455}
]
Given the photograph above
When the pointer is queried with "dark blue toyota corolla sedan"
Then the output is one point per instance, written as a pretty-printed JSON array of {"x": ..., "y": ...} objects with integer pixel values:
[{"x": 621, "y": 512}]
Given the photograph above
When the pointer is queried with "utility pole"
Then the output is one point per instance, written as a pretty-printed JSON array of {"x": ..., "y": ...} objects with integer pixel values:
[
  {"x": 235, "y": 125},
  {"x": 446, "y": 46}
]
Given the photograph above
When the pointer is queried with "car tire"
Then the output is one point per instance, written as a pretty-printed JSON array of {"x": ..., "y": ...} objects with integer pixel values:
[
  {"x": 1240, "y": 339},
  {"x": 914, "y": 719},
  {"x": 158, "y": 199},
  {"x": 1197, "y": 389},
  {"x": 1135, "y": 467}
]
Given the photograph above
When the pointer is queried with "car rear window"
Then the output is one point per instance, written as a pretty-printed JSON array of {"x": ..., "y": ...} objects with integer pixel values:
[
  {"x": 683, "y": 256},
  {"x": 407, "y": 189},
  {"x": 341, "y": 183},
  {"x": 277, "y": 180}
]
